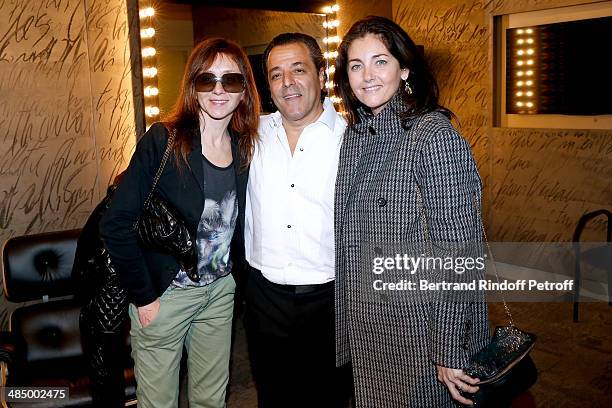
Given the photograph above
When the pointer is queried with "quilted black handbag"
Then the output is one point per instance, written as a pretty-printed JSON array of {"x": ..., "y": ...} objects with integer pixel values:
[
  {"x": 103, "y": 317},
  {"x": 161, "y": 229}
]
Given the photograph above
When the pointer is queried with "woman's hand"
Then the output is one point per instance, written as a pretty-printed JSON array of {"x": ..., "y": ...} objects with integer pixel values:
[
  {"x": 147, "y": 313},
  {"x": 455, "y": 380}
]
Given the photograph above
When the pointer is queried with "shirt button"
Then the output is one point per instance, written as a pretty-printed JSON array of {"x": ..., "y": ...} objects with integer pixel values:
[
  {"x": 381, "y": 202},
  {"x": 289, "y": 226},
  {"x": 301, "y": 149},
  {"x": 372, "y": 130},
  {"x": 292, "y": 185}
]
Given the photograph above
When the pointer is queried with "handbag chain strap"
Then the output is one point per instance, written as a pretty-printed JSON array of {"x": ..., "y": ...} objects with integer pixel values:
[
  {"x": 424, "y": 220},
  {"x": 162, "y": 164}
]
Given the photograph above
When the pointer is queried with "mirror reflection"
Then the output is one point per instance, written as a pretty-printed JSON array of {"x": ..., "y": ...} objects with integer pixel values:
[{"x": 180, "y": 26}]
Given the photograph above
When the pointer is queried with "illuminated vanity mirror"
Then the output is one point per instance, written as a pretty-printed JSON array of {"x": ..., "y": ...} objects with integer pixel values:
[{"x": 178, "y": 25}]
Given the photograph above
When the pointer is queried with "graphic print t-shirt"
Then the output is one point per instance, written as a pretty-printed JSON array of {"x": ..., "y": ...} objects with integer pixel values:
[{"x": 216, "y": 226}]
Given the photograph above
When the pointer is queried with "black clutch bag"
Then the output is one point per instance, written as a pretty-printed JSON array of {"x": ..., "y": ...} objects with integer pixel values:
[
  {"x": 504, "y": 368},
  {"x": 161, "y": 229}
]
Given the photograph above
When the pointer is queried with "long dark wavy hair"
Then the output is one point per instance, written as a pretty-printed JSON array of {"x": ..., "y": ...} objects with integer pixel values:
[
  {"x": 424, "y": 96},
  {"x": 185, "y": 115}
]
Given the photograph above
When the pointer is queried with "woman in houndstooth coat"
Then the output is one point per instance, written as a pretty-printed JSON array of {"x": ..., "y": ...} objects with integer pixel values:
[{"x": 407, "y": 184}]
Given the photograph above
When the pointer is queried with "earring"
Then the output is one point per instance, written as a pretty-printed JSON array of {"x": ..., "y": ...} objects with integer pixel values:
[{"x": 407, "y": 87}]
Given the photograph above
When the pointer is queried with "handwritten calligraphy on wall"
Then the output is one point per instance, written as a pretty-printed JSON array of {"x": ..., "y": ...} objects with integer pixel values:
[
  {"x": 544, "y": 180},
  {"x": 537, "y": 182},
  {"x": 66, "y": 114},
  {"x": 111, "y": 87},
  {"x": 455, "y": 38},
  {"x": 66, "y": 110}
]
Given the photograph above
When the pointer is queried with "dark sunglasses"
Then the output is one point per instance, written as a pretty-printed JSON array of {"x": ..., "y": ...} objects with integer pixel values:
[{"x": 232, "y": 83}]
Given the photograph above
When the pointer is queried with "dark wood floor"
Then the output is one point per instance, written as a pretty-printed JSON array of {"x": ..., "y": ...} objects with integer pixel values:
[{"x": 574, "y": 360}]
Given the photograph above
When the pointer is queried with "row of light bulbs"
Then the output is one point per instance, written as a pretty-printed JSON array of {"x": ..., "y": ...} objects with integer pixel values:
[
  {"x": 525, "y": 60},
  {"x": 332, "y": 40},
  {"x": 149, "y": 70}
]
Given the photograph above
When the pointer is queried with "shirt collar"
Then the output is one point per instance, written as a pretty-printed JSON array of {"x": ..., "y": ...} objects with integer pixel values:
[{"x": 328, "y": 117}]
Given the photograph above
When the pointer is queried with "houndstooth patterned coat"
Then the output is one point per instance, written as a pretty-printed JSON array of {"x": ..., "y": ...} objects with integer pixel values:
[{"x": 395, "y": 338}]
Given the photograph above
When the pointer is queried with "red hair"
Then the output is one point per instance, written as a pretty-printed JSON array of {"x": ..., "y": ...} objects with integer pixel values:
[{"x": 186, "y": 113}]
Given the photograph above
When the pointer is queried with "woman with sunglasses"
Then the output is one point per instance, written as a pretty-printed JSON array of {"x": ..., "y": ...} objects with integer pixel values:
[{"x": 214, "y": 121}]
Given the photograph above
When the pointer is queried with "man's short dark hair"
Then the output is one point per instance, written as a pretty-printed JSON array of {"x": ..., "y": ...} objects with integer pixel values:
[{"x": 298, "y": 38}]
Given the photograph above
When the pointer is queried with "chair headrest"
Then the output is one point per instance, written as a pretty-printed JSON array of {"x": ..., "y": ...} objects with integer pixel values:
[{"x": 39, "y": 265}]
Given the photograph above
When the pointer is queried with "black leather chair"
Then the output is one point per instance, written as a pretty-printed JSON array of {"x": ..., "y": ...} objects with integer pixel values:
[{"x": 43, "y": 345}]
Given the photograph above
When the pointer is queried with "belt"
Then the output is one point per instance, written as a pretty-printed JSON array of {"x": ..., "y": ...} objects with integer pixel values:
[
  {"x": 303, "y": 289},
  {"x": 295, "y": 289}
]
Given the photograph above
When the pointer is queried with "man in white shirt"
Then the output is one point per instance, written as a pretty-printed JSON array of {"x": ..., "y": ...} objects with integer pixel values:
[{"x": 289, "y": 233}]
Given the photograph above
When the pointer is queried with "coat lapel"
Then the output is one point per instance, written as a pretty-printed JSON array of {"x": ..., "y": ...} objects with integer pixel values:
[
  {"x": 194, "y": 159},
  {"x": 361, "y": 132},
  {"x": 354, "y": 139},
  {"x": 242, "y": 176},
  {"x": 356, "y": 158},
  {"x": 382, "y": 135}
]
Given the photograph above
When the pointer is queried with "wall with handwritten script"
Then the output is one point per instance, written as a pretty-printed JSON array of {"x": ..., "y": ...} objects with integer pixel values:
[
  {"x": 538, "y": 181},
  {"x": 66, "y": 110}
]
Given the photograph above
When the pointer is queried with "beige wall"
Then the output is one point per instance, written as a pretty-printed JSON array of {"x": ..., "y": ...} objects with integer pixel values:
[
  {"x": 353, "y": 10},
  {"x": 174, "y": 42},
  {"x": 66, "y": 110},
  {"x": 253, "y": 29},
  {"x": 538, "y": 181}
]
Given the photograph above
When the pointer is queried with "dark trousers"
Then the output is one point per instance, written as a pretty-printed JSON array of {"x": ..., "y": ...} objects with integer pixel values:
[{"x": 290, "y": 330}]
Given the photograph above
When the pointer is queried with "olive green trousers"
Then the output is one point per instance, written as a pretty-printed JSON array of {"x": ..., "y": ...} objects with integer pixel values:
[{"x": 200, "y": 318}]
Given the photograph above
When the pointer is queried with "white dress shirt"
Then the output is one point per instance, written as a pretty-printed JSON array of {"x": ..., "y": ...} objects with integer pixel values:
[{"x": 289, "y": 228}]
